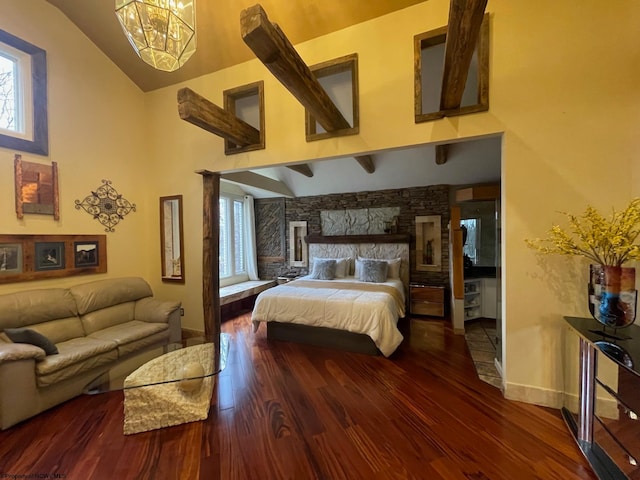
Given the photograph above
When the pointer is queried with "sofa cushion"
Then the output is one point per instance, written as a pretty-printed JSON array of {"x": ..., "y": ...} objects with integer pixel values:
[
  {"x": 26, "y": 335},
  {"x": 60, "y": 330},
  {"x": 107, "y": 317},
  {"x": 154, "y": 310},
  {"x": 100, "y": 294},
  {"x": 144, "y": 343},
  {"x": 129, "y": 332},
  {"x": 22, "y": 309},
  {"x": 75, "y": 356}
]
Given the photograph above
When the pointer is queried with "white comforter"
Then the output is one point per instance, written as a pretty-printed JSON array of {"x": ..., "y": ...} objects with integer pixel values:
[{"x": 339, "y": 304}]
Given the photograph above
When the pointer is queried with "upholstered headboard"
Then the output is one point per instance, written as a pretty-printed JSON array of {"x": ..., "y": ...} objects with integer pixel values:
[{"x": 367, "y": 250}]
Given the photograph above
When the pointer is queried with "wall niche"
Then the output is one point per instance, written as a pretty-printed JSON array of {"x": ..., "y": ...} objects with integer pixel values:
[{"x": 428, "y": 243}]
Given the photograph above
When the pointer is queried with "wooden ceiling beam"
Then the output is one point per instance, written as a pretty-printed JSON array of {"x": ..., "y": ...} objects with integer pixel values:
[
  {"x": 442, "y": 152},
  {"x": 275, "y": 50},
  {"x": 366, "y": 162},
  {"x": 199, "y": 111},
  {"x": 255, "y": 180},
  {"x": 303, "y": 168},
  {"x": 465, "y": 20}
]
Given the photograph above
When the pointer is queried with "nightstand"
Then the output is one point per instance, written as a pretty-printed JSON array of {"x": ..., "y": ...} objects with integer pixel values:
[
  {"x": 426, "y": 300},
  {"x": 282, "y": 280}
]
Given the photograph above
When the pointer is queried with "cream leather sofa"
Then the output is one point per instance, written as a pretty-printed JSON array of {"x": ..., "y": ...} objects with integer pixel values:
[{"x": 93, "y": 325}]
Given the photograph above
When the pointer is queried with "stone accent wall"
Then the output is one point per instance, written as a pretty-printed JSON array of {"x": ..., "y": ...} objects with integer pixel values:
[
  {"x": 413, "y": 202},
  {"x": 270, "y": 236}
]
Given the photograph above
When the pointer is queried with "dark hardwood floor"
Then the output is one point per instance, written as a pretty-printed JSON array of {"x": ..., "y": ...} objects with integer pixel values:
[{"x": 288, "y": 411}]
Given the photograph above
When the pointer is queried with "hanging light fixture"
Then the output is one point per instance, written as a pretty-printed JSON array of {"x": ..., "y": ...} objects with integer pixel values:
[{"x": 162, "y": 32}]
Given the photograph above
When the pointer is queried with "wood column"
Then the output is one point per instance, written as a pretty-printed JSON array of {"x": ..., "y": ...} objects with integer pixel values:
[
  {"x": 457, "y": 260},
  {"x": 210, "y": 258}
]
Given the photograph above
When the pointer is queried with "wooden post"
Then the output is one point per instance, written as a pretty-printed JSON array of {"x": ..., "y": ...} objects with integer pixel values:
[
  {"x": 210, "y": 258},
  {"x": 457, "y": 260}
]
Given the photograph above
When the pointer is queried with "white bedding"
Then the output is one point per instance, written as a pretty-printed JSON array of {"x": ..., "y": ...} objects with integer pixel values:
[{"x": 339, "y": 304}]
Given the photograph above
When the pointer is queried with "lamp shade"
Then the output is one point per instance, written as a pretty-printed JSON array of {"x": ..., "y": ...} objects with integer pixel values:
[{"x": 162, "y": 32}]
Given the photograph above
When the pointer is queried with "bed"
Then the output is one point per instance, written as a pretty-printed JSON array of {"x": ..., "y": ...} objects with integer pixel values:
[{"x": 343, "y": 312}]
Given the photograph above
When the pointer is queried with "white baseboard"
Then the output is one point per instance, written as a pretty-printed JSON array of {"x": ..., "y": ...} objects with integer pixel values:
[
  {"x": 498, "y": 367},
  {"x": 538, "y": 396}
]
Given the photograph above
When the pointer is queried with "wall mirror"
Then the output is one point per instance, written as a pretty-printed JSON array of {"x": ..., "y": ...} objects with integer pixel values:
[{"x": 171, "y": 239}]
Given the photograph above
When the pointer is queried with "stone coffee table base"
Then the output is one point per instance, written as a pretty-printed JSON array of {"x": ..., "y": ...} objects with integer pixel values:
[{"x": 149, "y": 406}]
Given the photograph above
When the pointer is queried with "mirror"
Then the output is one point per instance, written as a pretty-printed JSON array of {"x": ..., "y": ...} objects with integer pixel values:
[{"x": 171, "y": 239}]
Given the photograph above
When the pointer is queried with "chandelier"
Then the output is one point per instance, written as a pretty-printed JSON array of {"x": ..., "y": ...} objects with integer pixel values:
[{"x": 162, "y": 32}]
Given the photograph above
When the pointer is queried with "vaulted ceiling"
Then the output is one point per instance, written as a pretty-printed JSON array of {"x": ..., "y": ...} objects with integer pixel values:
[{"x": 219, "y": 44}]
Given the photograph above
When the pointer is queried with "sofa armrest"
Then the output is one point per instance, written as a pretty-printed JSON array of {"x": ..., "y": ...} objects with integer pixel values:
[
  {"x": 20, "y": 351},
  {"x": 151, "y": 310}
]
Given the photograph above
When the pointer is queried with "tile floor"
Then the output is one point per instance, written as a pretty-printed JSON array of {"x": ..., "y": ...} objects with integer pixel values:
[{"x": 481, "y": 340}]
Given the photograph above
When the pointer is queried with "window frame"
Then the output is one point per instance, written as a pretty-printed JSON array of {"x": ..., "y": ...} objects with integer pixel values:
[
  {"x": 234, "y": 277},
  {"x": 476, "y": 238},
  {"x": 39, "y": 141}
]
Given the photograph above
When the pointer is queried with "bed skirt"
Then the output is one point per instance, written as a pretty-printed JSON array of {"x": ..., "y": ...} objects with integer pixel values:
[{"x": 322, "y": 337}]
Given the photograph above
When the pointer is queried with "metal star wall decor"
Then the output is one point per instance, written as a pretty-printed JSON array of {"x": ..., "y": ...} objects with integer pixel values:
[{"x": 106, "y": 205}]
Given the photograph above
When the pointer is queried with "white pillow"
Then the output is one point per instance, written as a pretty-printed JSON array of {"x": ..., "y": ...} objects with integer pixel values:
[{"x": 393, "y": 269}]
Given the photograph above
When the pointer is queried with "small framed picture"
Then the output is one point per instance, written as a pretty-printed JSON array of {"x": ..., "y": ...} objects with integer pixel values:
[
  {"x": 10, "y": 258},
  {"x": 49, "y": 256},
  {"x": 86, "y": 254}
]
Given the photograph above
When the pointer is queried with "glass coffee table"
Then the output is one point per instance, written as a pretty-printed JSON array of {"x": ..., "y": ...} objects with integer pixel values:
[{"x": 165, "y": 386}]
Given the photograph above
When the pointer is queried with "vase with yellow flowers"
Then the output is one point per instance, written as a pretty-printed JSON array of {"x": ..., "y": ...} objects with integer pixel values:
[{"x": 609, "y": 242}]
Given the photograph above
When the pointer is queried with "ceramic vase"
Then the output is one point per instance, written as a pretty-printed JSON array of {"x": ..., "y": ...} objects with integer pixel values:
[{"x": 612, "y": 295}]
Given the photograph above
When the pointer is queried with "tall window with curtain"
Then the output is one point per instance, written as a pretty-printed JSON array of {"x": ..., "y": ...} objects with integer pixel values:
[{"x": 232, "y": 240}]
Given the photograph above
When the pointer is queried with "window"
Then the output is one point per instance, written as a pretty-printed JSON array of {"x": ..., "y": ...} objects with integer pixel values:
[
  {"x": 471, "y": 246},
  {"x": 23, "y": 96},
  {"x": 9, "y": 90},
  {"x": 232, "y": 241}
]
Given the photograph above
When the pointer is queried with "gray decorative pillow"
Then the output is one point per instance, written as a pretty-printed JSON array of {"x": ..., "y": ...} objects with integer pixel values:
[
  {"x": 374, "y": 271},
  {"x": 324, "y": 269},
  {"x": 26, "y": 335}
]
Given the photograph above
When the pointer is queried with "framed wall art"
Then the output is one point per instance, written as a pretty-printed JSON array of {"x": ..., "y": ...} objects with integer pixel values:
[
  {"x": 36, "y": 187},
  {"x": 10, "y": 258},
  {"x": 86, "y": 254},
  {"x": 35, "y": 257},
  {"x": 49, "y": 256}
]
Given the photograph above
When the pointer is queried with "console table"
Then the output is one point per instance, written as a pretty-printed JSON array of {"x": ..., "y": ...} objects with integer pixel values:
[{"x": 605, "y": 419}]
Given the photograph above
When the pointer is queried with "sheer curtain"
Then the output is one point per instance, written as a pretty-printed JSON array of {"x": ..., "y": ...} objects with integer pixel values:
[{"x": 250, "y": 237}]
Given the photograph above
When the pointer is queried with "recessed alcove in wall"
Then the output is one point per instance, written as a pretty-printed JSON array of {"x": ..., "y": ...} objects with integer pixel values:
[
  {"x": 339, "y": 79},
  {"x": 428, "y": 243},
  {"x": 298, "y": 254},
  {"x": 246, "y": 103},
  {"x": 429, "y": 49}
]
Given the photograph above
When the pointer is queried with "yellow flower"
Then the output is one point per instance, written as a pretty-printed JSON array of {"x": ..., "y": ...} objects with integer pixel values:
[{"x": 605, "y": 241}]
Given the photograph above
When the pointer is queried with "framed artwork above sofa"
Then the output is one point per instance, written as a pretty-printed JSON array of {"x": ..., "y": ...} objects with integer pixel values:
[{"x": 35, "y": 257}]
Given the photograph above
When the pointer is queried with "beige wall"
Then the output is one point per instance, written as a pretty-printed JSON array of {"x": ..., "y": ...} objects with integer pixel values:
[
  {"x": 563, "y": 94},
  {"x": 94, "y": 114}
]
